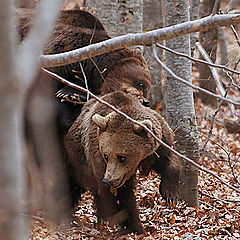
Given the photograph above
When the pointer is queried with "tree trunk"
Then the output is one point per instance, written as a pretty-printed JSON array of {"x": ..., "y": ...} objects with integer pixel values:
[
  {"x": 26, "y": 3},
  {"x": 119, "y": 16},
  {"x": 194, "y": 15},
  {"x": 153, "y": 8},
  {"x": 12, "y": 175},
  {"x": 179, "y": 101},
  {"x": 223, "y": 48},
  {"x": 208, "y": 39}
]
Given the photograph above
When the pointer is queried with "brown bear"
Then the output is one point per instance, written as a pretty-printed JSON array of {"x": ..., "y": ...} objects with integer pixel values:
[
  {"x": 105, "y": 150},
  {"x": 121, "y": 70},
  {"x": 116, "y": 70}
]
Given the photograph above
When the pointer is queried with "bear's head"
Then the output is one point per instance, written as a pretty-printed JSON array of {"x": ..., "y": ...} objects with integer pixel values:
[{"x": 123, "y": 144}]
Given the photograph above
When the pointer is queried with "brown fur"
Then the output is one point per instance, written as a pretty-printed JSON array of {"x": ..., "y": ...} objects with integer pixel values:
[
  {"x": 121, "y": 70},
  {"x": 113, "y": 71},
  {"x": 95, "y": 144},
  {"x": 76, "y": 29}
]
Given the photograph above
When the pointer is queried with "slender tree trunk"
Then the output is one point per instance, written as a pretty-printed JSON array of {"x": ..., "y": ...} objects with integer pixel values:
[
  {"x": 179, "y": 101},
  {"x": 153, "y": 8},
  {"x": 223, "y": 48},
  {"x": 119, "y": 16},
  {"x": 12, "y": 175},
  {"x": 208, "y": 39},
  {"x": 194, "y": 15},
  {"x": 26, "y": 3}
]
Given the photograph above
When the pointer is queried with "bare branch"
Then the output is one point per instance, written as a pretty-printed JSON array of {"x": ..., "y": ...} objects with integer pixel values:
[
  {"x": 140, "y": 124},
  {"x": 188, "y": 83},
  {"x": 85, "y": 79},
  {"x": 147, "y": 38},
  {"x": 197, "y": 60},
  {"x": 236, "y": 35},
  {"x": 214, "y": 74}
]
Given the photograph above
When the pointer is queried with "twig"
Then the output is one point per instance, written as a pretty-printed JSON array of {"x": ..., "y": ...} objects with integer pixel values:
[
  {"x": 147, "y": 38},
  {"x": 140, "y": 124},
  {"x": 188, "y": 83},
  {"x": 35, "y": 218},
  {"x": 218, "y": 199},
  {"x": 212, "y": 122},
  {"x": 203, "y": 134},
  {"x": 85, "y": 79},
  {"x": 197, "y": 60},
  {"x": 215, "y": 75},
  {"x": 236, "y": 35}
]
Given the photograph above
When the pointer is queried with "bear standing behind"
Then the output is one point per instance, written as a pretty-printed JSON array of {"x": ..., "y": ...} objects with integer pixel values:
[{"x": 105, "y": 149}]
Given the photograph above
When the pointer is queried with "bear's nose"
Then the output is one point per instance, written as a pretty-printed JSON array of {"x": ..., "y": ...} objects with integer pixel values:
[
  {"x": 107, "y": 181},
  {"x": 146, "y": 103}
]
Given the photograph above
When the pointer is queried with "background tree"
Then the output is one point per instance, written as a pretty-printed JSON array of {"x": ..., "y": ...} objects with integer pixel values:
[
  {"x": 119, "y": 17},
  {"x": 208, "y": 39},
  {"x": 13, "y": 91},
  {"x": 179, "y": 100},
  {"x": 26, "y": 3},
  {"x": 12, "y": 174},
  {"x": 194, "y": 15},
  {"x": 154, "y": 8}
]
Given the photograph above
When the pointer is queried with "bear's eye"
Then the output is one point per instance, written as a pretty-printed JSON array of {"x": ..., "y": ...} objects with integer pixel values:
[
  {"x": 141, "y": 86},
  {"x": 105, "y": 157},
  {"x": 121, "y": 159}
]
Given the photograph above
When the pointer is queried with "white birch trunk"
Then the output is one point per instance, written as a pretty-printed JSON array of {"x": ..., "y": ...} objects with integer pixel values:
[
  {"x": 179, "y": 101},
  {"x": 12, "y": 175},
  {"x": 119, "y": 17}
]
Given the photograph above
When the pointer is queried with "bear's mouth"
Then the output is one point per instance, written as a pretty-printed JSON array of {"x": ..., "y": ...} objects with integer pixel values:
[{"x": 118, "y": 183}]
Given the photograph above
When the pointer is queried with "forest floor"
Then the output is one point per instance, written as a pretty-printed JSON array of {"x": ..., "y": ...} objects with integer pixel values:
[{"x": 218, "y": 214}]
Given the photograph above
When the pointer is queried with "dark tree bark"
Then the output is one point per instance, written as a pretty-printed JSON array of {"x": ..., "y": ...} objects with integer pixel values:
[
  {"x": 208, "y": 39},
  {"x": 179, "y": 101},
  {"x": 153, "y": 8},
  {"x": 194, "y": 15}
]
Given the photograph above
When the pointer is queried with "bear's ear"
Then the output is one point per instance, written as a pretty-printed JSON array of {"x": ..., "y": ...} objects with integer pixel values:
[
  {"x": 138, "y": 52},
  {"x": 101, "y": 121},
  {"x": 137, "y": 128}
]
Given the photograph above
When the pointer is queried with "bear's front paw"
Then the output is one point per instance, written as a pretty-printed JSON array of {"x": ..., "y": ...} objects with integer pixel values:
[{"x": 169, "y": 189}]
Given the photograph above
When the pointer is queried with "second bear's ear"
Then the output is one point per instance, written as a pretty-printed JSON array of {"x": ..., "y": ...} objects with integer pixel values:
[
  {"x": 137, "y": 128},
  {"x": 101, "y": 121}
]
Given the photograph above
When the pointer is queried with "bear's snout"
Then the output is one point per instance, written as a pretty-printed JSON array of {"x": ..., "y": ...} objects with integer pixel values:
[{"x": 107, "y": 181}]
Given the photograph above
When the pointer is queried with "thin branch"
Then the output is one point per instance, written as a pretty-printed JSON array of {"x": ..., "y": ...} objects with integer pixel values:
[
  {"x": 188, "y": 83},
  {"x": 212, "y": 121},
  {"x": 215, "y": 75},
  {"x": 140, "y": 124},
  {"x": 85, "y": 79},
  {"x": 197, "y": 60},
  {"x": 147, "y": 38},
  {"x": 236, "y": 35},
  {"x": 218, "y": 199}
]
